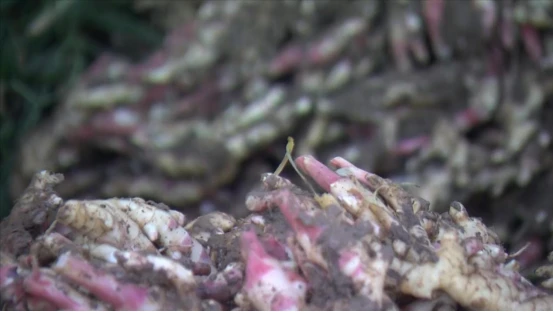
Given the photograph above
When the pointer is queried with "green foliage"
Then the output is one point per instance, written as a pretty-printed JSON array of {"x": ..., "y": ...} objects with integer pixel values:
[{"x": 45, "y": 46}]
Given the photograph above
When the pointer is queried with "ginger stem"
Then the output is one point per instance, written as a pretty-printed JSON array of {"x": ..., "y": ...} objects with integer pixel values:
[{"x": 288, "y": 158}]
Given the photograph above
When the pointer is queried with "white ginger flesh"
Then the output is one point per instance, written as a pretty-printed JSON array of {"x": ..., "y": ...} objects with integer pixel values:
[{"x": 129, "y": 223}]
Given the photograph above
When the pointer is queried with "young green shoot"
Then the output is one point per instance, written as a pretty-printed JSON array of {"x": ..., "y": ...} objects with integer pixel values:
[{"x": 288, "y": 158}]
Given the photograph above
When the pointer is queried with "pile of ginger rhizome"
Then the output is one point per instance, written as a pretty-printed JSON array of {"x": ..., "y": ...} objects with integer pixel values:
[{"x": 363, "y": 244}]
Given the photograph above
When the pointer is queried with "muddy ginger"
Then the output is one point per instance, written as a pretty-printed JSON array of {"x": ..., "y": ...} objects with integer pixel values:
[
  {"x": 364, "y": 243},
  {"x": 423, "y": 253},
  {"x": 268, "y": 285}
]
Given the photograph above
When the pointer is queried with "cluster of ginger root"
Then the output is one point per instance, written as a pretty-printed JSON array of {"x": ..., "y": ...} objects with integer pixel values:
[{"x": 364, "y": 243}]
